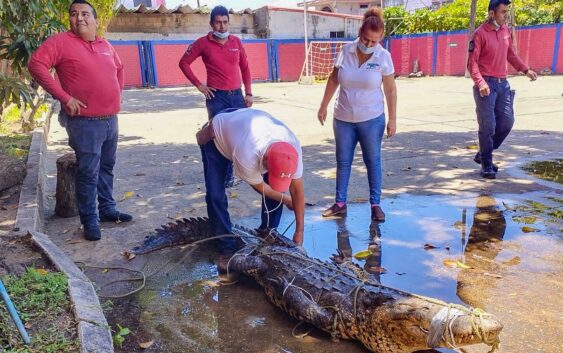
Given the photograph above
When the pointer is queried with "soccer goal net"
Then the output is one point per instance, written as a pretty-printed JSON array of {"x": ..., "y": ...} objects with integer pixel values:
[{"x": 319, "y": 60}]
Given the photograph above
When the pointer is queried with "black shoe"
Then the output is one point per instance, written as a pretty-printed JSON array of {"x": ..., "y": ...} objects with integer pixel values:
[
  {"x": 115, "y": 216},
  {"x": 377, "y": 214},
  {"x": 488, "y": 172},
  {"x": 477, "y": 159},
  {"x": 92, "y": 232}
]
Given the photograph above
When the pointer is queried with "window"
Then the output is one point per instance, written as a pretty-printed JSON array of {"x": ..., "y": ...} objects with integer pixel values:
[{"x": 337, "y": 34}]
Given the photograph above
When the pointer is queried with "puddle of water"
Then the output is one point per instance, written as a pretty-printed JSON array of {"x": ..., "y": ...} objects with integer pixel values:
[
  {"x": 512, "y": 245},
  {"x": 547, "y": 170}
]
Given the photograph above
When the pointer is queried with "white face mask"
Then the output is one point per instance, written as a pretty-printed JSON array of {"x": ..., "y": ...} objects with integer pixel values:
[
  {"x": 221, "y": 35},
  {"x": 366, "y": 50}
]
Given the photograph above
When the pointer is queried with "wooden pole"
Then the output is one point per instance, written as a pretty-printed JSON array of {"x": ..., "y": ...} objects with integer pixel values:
[{"x": 471, "y": 31}]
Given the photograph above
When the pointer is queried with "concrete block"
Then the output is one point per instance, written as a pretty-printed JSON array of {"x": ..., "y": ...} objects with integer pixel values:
[
  {"x": 94, "y": 339},
  {"x": 85, "y": 302}
]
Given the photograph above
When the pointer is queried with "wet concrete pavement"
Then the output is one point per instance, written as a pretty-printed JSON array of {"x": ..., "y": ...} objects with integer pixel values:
[{"x": 429, "y": 178}]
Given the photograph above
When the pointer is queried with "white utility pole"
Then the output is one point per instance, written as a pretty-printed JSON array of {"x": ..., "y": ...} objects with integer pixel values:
[{"x": 306, "y": 41}]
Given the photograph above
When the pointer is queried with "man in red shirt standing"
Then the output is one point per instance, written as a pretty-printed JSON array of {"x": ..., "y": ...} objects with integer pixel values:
[
  {"x": 489, "y": 52},
  {"x": 225, "y": 62},
  {"x": 89, "y": 85}
]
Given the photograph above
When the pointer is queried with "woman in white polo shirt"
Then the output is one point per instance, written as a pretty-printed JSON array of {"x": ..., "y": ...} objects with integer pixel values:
[{"x": 361, "y": 69}]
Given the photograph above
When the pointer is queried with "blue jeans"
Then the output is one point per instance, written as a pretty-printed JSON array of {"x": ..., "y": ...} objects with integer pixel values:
[
  {"x": 94, "y": 142},
  {"x": 347, "y": 135},
  {"x": 495, "y": 116},
  {"x": 224, "y": 100}
]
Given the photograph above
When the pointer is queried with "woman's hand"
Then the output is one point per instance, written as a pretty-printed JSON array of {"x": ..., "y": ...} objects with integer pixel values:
[{"x": 321, "y": 114}]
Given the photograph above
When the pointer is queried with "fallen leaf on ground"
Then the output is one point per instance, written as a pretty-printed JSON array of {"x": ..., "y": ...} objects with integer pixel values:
[
  {"x": 494, "y": 275},
  {"x": 105, "y": 270},
  {"x": 514, "y": 261},
  {"x": 233, "y": 195},
  {"x": 310, "y": 204},
  {"x": 513, "y": 294},
  {"x": 459, "y": 225},
  {"x": 42, "y": 271},
  {"x": 401, "y": 273},
  {"x": 362, "y": 255},
  {"x": 127, "y": 195},
  {"x": 462, "y": 265},
  {"x": 65, "y": 231},
  {"x": 180, "y": 183},
  {"x": 429, "y": 247},
  {"x": 27, "y": 325},
  {"x": 211, "y": 283},
  {"x": 140, "y": 174},
  {"x": 472, "y": 147},
  {"x": 128, "y": 255},
  {"x": 360, "y": 199},
  {"x": 145, "y": 345},
  {"x": 450, "y": 263},
  {"x": 529, "y": 229},
  {"x": 74, "y": 241}
]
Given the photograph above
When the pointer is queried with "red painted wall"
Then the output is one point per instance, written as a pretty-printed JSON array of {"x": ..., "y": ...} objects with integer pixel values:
[
  {"x": 535, "y": 47},
  {"x": 559, "y": 65},
  {"x": 167, "y": 57},
  {"x": 129, "y": 55},
  {"x": 291, "y": 57},
  {"x": 451, "y": 54},
  {"x": 405, "y": 50}
]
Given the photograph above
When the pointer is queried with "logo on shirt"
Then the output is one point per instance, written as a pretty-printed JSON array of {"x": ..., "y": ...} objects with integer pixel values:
[
  {"x": 233, "y": 49},
  {"x": 189, "y": 50},
  {"x": 373, "y": 66}
]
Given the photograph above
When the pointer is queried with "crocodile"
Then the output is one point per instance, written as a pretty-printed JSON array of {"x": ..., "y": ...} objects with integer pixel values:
[{"x": 338, "y": 296}]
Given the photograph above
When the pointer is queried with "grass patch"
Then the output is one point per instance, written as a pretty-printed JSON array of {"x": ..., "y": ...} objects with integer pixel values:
[
  {"x": 42, "y": 302},
  {"x": 15, "y": 145},
  {"x": 547, "y": 170}
]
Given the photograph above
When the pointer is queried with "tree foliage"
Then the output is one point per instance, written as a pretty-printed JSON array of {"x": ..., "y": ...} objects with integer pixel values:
[
  {"x": 455, "y": 16},
  {"x": 24, "y": 25}
]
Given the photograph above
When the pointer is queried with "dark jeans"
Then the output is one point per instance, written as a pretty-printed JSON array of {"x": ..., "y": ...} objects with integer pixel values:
[
  {"x": 94, "y": 142},
  {"x": 221, "y": 101},
  {"x": 215, "y": 168},
  {"x": 224, "y": 100},
  {"x": 495, "y": 116}
]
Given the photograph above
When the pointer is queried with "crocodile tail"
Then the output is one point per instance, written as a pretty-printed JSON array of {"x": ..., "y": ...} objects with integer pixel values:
[{"x": 181, "y": 232}]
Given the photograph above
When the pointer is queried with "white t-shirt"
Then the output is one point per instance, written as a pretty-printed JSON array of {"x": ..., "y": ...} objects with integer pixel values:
[
  {"x": 361, "y": 97},
  {"x": 243, "y": 136}
]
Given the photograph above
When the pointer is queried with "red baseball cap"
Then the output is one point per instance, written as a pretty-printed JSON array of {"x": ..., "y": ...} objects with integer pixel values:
[{"x": 282, "y": 160}]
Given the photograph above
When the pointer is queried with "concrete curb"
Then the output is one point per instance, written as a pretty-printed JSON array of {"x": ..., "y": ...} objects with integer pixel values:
[
  {"x": 516, "y": 169},
  {"x": 93, "y": 330}
]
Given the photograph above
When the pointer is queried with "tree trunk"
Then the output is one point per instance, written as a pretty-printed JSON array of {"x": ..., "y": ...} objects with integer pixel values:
[
  {"x": 66, "y": 188},
  {"x": 472, "y": 12}
]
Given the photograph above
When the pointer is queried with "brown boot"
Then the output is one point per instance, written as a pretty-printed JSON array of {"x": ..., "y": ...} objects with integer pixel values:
[
  {"x": 377, "y": 214},
  {"x": 335, "y": 210}
]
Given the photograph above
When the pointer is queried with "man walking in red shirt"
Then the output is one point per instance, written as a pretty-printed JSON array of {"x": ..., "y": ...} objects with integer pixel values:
[
  {"x": 89, "y": 85},
  {"x": 489, "y": 52}
]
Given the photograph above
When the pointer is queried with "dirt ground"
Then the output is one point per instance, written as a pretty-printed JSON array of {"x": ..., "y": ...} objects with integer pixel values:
[{"x": 159, "y": 176}]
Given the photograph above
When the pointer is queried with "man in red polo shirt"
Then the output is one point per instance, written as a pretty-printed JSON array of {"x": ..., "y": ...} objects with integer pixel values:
[
  {"x": 89, "y": 84},
  {"x": 489, "y": 52},
  {"x": 225, "y": 62}
]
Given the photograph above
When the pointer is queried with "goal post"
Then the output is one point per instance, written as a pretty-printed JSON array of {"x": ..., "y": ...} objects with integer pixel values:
[{"x": 319, "y": 60}]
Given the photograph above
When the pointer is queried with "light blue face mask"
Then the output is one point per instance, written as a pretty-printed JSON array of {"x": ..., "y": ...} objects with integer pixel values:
[
  {"x": 364, "y": 49},
  {"x": 221, "y": 35}
]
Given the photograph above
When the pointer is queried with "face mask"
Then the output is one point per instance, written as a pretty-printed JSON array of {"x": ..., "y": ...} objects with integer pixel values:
[
  {"x": 365, "y": 49},
  {"x": 496, "y": 23},
  {"x": 221, "y": 35}
]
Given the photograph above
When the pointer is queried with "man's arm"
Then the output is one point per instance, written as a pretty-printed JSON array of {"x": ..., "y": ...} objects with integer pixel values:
[
  {"x": 475, "y": 47},
  {"x": 514, "y": 60},
  {"x": 119, "y": 66},
  {"x": 246, "y": 77},
  {"x": 295, "y": 202},
  {"x": 298, "y": 203},
  {"x": 47, "y": 56}
]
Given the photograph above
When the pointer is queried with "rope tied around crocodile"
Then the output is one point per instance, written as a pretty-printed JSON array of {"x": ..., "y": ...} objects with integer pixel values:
[{"x": 442, "y": 322}]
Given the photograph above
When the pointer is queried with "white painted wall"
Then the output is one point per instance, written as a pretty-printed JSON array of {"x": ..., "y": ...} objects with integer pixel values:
[{"x": 286, "y": 24}]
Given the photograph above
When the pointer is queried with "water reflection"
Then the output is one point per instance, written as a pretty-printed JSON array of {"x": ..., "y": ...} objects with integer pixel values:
[
  {"x": 483, "y": 246},
  {"x": 372, "y": 263}
]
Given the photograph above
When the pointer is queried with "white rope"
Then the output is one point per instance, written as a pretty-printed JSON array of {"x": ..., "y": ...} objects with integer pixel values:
[{"x": 442, "y": 322}]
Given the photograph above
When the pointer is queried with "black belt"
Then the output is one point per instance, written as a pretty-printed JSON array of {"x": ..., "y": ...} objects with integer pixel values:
[
  {"x": 103, "y": 117},
  {"x": 233, "y": 91},
  {"x": 497, "y": 79}
]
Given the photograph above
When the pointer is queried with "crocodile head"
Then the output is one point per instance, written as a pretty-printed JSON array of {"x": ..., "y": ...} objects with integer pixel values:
[{"x": 415, "y": 323}]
